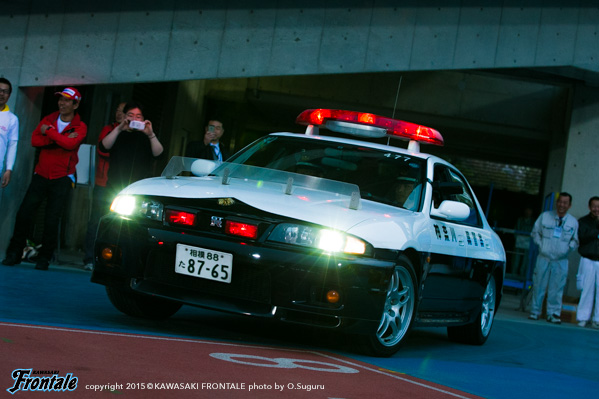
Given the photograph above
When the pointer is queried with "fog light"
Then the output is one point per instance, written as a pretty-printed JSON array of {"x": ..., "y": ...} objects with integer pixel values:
[
  {"x": 332, "y": 296},
  {"x": 107, "y": 254}
]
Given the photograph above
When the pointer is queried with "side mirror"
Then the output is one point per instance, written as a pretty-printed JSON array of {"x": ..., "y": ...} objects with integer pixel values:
[
  {"x": 452, "y": 210},
  {"x": 202, "y": 167}
]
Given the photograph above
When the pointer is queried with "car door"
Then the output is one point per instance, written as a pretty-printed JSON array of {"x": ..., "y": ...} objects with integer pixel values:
[
  {"x": 478, "y": 240},
  {"x": 453, "y": 243}
]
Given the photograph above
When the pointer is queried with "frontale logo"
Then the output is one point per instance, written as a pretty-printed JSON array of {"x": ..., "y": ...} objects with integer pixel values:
[
  {"x": 56, "y": 383},
  {"x": 226, "y": 201},
  {"x": 216, "y": 221}
]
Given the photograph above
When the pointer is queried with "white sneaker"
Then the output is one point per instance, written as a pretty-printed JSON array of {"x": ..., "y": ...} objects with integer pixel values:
[
  {"x": 582, "y": 323},
  {"x": 533, "y": 316},
  {"x": 595, "y": 325},
  {"x": 554, "y": 319},
  {"x": 89, "y": 267}
]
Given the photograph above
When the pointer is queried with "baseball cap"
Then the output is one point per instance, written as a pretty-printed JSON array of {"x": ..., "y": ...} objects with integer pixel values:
[{"x": 69, "y": 92}]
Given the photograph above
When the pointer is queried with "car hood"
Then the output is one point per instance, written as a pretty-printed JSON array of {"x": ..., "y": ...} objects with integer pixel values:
[{"x": 320, "y": 201}]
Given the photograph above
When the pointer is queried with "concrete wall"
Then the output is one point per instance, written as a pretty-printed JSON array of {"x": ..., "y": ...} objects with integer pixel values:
[
  {"x": 69, "y": 42},
  {"x": 581, "y": 169}
]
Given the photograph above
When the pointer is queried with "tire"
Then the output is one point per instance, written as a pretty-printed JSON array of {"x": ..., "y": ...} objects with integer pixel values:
[
  {"x": 143, "y": 306},
  {"x": 477, "y": 333},
  {"x": 398, "y": 312}
]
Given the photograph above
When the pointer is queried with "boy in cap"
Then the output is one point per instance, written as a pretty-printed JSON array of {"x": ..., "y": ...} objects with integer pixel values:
[{"x": 58, "y": 136}]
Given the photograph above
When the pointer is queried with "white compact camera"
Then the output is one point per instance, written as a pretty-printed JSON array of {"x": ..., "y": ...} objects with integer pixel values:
[{"x": 137, "y": 125}]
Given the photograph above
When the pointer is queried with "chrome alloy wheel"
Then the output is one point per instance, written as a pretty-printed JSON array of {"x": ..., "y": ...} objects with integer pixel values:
[
  {"x": 488, "y": 308},
  {"x": 399, "y": 308}
]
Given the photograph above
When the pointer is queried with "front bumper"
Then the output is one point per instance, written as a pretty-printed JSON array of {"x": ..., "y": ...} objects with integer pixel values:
[{"x": 268, "y": 279}]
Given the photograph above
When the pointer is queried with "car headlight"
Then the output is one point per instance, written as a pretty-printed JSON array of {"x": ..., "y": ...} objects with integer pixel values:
[
  {"x": 325, "y": 239},
  {"x": 130, "y": 205}
]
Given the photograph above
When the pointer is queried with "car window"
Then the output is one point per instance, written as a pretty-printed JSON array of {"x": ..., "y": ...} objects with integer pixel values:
[
  {"x": 448, "y": 184},
  {"x": 382, "y": 176}
]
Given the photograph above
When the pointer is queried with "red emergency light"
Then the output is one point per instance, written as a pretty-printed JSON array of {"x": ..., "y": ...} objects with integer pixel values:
[{"x": 393, "y": 127}]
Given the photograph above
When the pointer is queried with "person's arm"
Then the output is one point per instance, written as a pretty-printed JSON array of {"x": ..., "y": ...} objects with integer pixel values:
[
  {"x": 69, "y": 140},
  {"x": 11, "y": 154},
  {"x": 6, "y": 177},
  {"x": 105, "y": 130},
  {"x": 537, "y": 230},
  {"x": 587, "y": 231},
  {"x": 39, "y": 137},
  {"x": 574, "y": 240},
  {"x": 208, "y": 137},
  {"x": 108, "y": 142},
  {"x": 155, "y": 144},
  {"x": 13, "y": 138}
]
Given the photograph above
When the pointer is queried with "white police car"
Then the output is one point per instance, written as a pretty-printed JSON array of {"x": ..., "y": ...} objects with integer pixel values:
[{"x": 332, "y": 232}]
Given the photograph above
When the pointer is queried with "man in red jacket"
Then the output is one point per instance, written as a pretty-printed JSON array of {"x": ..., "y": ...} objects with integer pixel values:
[{"x": 58, "y": 136}]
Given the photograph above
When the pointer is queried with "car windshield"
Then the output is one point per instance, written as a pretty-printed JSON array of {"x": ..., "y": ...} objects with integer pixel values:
[
  {"x": 383, "y": 176},
  {"x": 348, "y": 170}
]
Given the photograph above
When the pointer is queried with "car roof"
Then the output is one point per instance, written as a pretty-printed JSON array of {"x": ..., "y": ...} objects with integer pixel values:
[{"x": 363, "y": 143}]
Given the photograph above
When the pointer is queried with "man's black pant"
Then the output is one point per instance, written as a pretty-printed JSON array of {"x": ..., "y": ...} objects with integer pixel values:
[{"x": 56, "y": 192}]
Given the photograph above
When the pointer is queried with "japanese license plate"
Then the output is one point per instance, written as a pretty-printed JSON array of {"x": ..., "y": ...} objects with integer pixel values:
[{"x": 204, "y": 263}]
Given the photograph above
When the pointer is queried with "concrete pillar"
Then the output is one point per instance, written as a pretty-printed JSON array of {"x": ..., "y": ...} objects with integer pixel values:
[
  {"x": 188, "y": 121},
  {"x": 581, "y": 173}
]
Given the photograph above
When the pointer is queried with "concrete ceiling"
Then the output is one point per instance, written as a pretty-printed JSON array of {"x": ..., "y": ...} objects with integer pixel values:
[{"x": 512, "y": 117}]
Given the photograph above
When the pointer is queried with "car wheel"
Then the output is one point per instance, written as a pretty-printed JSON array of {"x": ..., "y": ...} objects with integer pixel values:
[
  {"x": 398, "y": 312},
  {"x": 477, "y": 333},
  {"x": 139, "y": 305}
]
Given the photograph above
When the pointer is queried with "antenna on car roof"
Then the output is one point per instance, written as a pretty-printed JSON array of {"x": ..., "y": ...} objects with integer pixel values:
[{"x": 395, "y": 105}]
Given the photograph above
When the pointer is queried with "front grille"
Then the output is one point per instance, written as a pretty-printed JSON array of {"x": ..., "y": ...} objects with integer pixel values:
[
  {"x": 248, "y": 282},
  {"x": 211, "y": 215}
]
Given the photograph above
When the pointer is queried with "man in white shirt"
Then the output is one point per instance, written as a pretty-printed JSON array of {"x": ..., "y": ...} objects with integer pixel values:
[
  {"x": 556, "y": 234},
  {"x": 9, "y": 133}
]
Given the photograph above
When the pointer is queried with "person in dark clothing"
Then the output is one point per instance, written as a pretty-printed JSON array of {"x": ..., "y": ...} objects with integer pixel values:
[
  {"x": 210, "y": 147},
  {"x": 58, "y": 136},
  {"x": 100, "y": 202},
  {"x": 587, "y": 278},
  {"x": 132, "y": 149}
]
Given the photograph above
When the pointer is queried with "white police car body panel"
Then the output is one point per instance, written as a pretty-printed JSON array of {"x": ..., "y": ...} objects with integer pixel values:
[
  {"x": 309, "y": 205},
  {"x": 382, "y": 225},
  {"x": 326, "y": 231}
]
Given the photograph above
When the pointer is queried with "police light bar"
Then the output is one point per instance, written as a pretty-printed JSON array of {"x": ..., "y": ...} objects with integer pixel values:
[{"x": 370, "y": 125}]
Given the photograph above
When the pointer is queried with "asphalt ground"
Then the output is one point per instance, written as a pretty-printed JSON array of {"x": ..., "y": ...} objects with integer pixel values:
[
  {"x": 108, "y": 364},
  {"x": 57, "y": 320}
]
